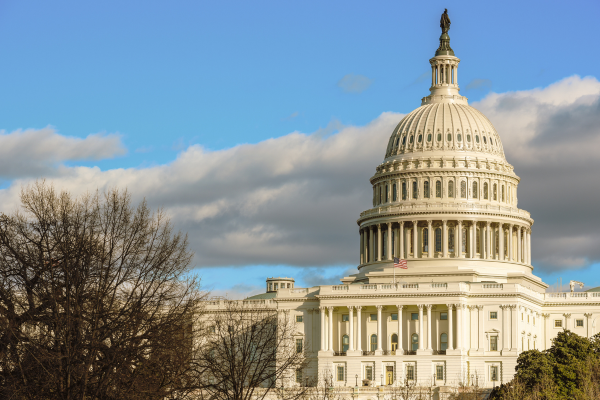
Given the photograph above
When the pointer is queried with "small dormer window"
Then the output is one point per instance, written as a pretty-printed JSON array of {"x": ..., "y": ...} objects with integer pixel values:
[
  {"x": 411, "y": 140},
  {"x": 439, "y": 137},
  {"x": 404, "y": 140},
  {"x": 449, "y": 137},
  {"x": 484, "y": 140},
  {"x": 477, "y": 138},
  {"x": 469, "y": 138},
  {"x": 420, "y": 138},
  {"x": 459, "y": 137},
  {"x": 429, "y": 137}
]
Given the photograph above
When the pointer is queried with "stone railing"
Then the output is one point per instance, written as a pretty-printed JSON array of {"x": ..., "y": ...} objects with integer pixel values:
[{"x": 572, "y": 296}]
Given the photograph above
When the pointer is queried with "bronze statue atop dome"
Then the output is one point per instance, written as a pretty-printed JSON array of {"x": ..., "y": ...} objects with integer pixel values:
[{"x": 445, "y": 22}]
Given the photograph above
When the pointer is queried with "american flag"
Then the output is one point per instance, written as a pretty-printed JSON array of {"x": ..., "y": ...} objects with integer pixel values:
[{"x": 398, "y": 263}]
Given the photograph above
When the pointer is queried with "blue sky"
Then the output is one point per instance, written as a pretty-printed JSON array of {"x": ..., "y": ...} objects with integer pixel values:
[{"x": 169, "y": 78}]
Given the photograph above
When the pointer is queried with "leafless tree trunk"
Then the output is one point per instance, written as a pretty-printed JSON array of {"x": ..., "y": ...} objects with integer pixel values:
[
  {"x": 95, "y": 302},
  {"x": 250, "y": 350}
]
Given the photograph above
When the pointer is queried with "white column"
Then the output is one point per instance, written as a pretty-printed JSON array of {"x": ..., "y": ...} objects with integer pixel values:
[
  {"x": 459, "y": 326},
  {"x": 415, "y": 239},
  {"x": 459, "y": 236},
  {"x": 429, "y": 330},
  {"x": 358, "y": 328},
  {"x": 351, "y": 320},
  {"x": 519, "y": 246},
  {"x": 371, "y": 244},
  {"x": 362, "y": 250},
  {"x": 501, "y": 241},
  {"x": 401, "y": 240},
  {"x": 379, "y": 348},
  {"x": 505, "y": 328},
  {"x": 430, "y": 243},
  {"x": 445, "y": 239},
  {"x": 472, "y": 240},
  {"x": 379, "y": 258},
  {"x": 529, "y": 246},
  {"x": 514, "y": 328},
  {"x": 323, "y": 337},
  {"x": 481, "y": 320},
  {"x": 488, "y": 238},
  {"x": 420, "y": 326},
  {"x": 330, "y": 309},
  {"x": 389, "y": 247},
  {"x": 400, "y": 349},
  {"x": 510, "y": 243},
  {"x": 450, "y": 328}
]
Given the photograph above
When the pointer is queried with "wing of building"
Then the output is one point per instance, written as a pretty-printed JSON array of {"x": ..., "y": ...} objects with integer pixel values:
[{"x": 446, "y": 200}]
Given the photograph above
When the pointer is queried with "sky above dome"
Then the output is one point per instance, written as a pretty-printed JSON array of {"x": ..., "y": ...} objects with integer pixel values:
[{"x": 256, "y": 125}]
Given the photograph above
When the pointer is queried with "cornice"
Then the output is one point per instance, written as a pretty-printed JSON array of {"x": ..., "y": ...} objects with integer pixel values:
[{"x": 468, "y": 215}]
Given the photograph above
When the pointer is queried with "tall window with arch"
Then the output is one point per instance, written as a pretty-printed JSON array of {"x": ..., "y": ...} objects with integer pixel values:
[
  {"x": 451, "y": 189},
  {"x": 444, "y": 342},
  {"x": 373, "y": 342},
  {"x": 374, "y": 196},
  {"x": 404, "y": 193},
  {"x": 426, "y": 189},
  {"x": 475, "y": 190},
  {"x": 394, "y": 342},
  {"x": 463, "y": 189},
  {"x": 438, "y": 189},
  {"x": 464, "y": 239},
  {"x": 394, "y": 194},
  {"x": 495, "y": 192},
  {"x": 477, "y": 241},
  {"x": 380, "y": 194},
  {"x": 386, "y": 194},
  {"x": 503, "y": 197},
  {"x": 425, "y": 240},
  {"x": 451, "y": 240},
  {"x": 414, "y": 342},
  {"x": 415, "y": 190},
  {"x": 438, "y": 239},
  {"x": 485, "y": 190},
  {"x": 345, "y": 343}
]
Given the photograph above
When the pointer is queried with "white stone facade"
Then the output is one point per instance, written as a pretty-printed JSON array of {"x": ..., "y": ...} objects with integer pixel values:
[{"x": 445, "y": 199}]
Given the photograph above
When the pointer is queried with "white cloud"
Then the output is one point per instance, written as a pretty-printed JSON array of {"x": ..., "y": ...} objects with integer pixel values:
[{"x": 352, "y": 83}]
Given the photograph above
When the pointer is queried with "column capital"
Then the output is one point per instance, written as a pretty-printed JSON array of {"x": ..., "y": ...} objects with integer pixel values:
[
  {"x": 545, "y": 315},
  {"x": 511, "y": 226},
  {"x": 358, "y": 308},
  {"x": 567, "y": 315},
  {"x": 322, "y": 308},
  {"x": 401, "y": 223},
  {"x": 400, "y": 307},
  {"x": 429, "y": 306},
  {"x": 429, "y": 222},
  {"x": 379, "y": 226},
  {"x": 420, "y": 306},
  {"x": 444, "y": 222},
  {"x": 350, "y": 308},
  {"x": 450, "y": 306},
  {"x": 389, "y": 224},
  {"x": 415, "y": 223},
  {"x": 587, "y": 315},
  {"x": 479, "y": 307},
  {"x": 512, "y": 306},
  {"x": 488, "y": 223},
  {"x": 379, "y": 307},
  {"x": 330, "y": 308},
  {"x": 459, "y": 222}
]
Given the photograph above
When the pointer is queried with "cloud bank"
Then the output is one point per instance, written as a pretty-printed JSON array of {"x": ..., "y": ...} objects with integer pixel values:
[{"x": 294, "y": 200}]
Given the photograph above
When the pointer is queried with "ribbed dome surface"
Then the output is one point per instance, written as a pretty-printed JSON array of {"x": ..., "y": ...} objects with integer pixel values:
[{"x": 445, "y": 126}]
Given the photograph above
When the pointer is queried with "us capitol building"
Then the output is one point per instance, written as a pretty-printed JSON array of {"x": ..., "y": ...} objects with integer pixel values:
[{"x": 445, "y": 199}]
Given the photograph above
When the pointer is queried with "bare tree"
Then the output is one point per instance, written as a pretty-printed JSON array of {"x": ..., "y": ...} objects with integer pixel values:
[
  {"x": 250, "y": 350},
  {"x": 405, "y": 390},
  {"x": 95, "y": 302},
  {"x": 468, "y": 388}
]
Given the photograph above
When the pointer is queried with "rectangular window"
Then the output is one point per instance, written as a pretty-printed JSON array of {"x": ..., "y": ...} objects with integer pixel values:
[
  {"x": 298, "y": 318},
  {"x": 386, "y": 194},
  {"x": 439, "y": 372},
  {"x": 299, "y": 376},
  {"x": 369, "y": 372},
  {"x": 403, "y": 190},
  {"x": 493, "y": 373},
  {"x": 579, "y": 323},
  {"x": 373, "y": 317},
  {"x": 493, "y": 343},
  {"x": 444, "y": 316},
  {"x": 414, "y": 316},
  {"x": 410, "y": 372},
  {"x": 298, "y": 345},
  {"x": 558, "y": 323},
  {"x": 415, "y": 192},
  {"x": 345, "y": 318},
  {"x": 340, "y": 373},
  {"x": 394, "y": 196},
  {"x": 493, "y": 314},
  {"x": 394, "y": 317}
]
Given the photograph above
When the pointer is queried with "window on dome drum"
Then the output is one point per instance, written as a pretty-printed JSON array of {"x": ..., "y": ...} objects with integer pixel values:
[
  {"x": 394, "y": 195},
  {"x": 397, "y": 141},
  {"x": 345, "y": 317},
  {"x": 298, "y": 318},
  {"x": 477, "y": 138},
  {"x": 478, "y": 240},
  {"x": 299, "y": 345},
  {"x": 429, "y": 137},
  {"x": 439, "y": 137},
  {"x": 485, "y": 191},
  {"x": 484, "y": 140},
  {"x": 426, "y": 189},
  {"x": 493, "y": 343},
  {"x": 495, "y": 192},
  {"x": 463, "y": 189},
  {"x": 438, "y": 189},
  {"x": 411, "y": 139},
  {"x": 425, "y": 240},
  {"x": 443, "y": 316},
  {"x": 345, "y": 343},
  {"x": 451, "y": 189},
  {"x": 394, "y": 342},
  {"x": 276, "y": 286},
  {"x": 340, "y": 373},
  {"x": 451, "y": 240},
  {"x": 403, "y": 190},
  {"x": 415, "y": 193},
  {"x": 491, "y": 141},
  {"x": 469, "y": 138},
  {"x": 459, "y": 137},
  {"x": 420, "y": 138},
  {"x": 404, "y": 140},
  {"x": 394, "y": 317},
  {"x": 373, "y": 342},
  {"x": 410, "y": 372},
  {"x": 443, "y": 341},
  {"x": 386, "y": 194},
  {"x": 475, "y": 191},
  {"x": 414, "y": 342},
  {"x": 579, "y": 323},
  {"x": 414, "y": 316},
  {"x": 449, "y": 137},
  {"x": 493, "y": 315},
  {"x": 438, "y": 240},
  {"x": 439, "y": 372}
]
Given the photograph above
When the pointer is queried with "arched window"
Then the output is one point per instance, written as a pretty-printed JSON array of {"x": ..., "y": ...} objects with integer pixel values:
[
  {"x": 397, "y": 142},
  {"x": 438, "y": 189},
  {"x": 415, "y": 192},
  {"x": 425, "y": 240},
  {"x": 394, "y": 195},
  {"x": 451, "y": 240},
  {"x": 503, "y": 191},
  {"x": 414, "y": 342},
  {"x": 443, "y": 342},
  {"x": 420, "y": 138},
  {"x": 345, "y": 343},
  {"x": 475, "y": 190},
  {"x": 394, "y": 342},
  {"x": 404, "y": 140},
  {"x": 429, "y": 137},
  {"x": 477, "y": 138},
  {"x": 386, "y": 194},
  {"x": 403, "y": 190},
  {"x": 449, "y": 137},
  {"x": 439, "y": 137},
  {"x": 451, "y": 189},
  {"x": 495, "y": 192},
  {"x": 459, "y": 137},
  {"x": 485, "y": 191},
  {"x": 411, "y": 139},
  {"x": 438, "y": 239},
  {"x": 484, "y": 140},
  {"x": 426, "y": 189},
  {"x": 477, "y": 241},
  {"x": 469, "y": 138},
  {"x": 373, "y": 342},
  {"x": 464, "y": 240},
  {"x": 380, "y": 194},
  {"x": 463, "y": 189}
]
